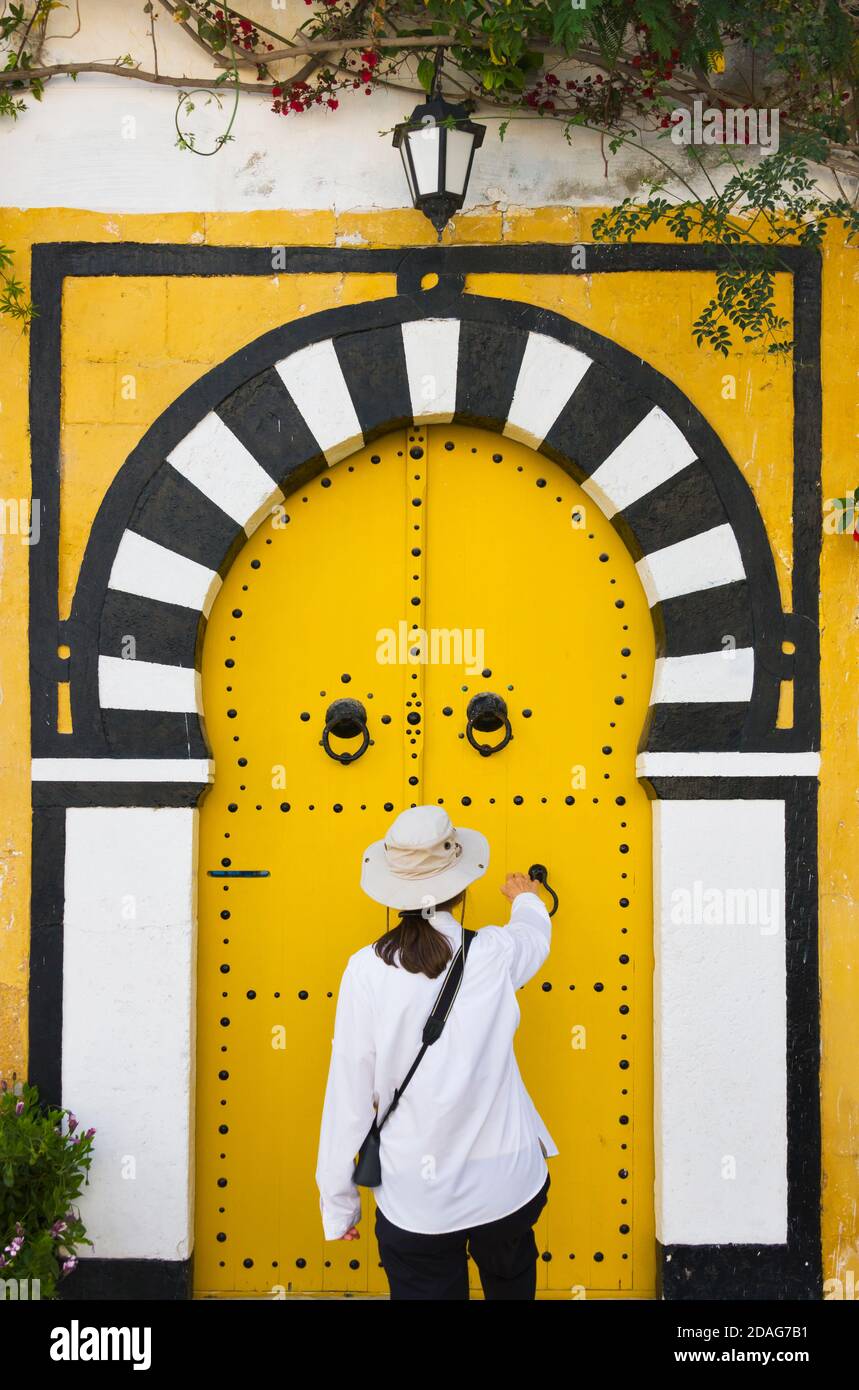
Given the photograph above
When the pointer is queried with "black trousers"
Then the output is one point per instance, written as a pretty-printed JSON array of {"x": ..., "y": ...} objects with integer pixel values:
[{"x": 422, "y": 1266}]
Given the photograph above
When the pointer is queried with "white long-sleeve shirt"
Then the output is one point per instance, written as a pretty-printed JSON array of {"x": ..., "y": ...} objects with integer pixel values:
[{"x": 466, "y": 1144}]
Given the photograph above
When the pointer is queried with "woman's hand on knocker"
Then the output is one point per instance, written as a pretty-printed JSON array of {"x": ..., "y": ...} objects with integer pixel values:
[{"x": 519, "y": 883}]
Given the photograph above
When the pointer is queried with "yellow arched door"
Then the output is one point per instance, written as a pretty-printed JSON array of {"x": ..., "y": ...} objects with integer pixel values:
[{"x": 434, "y": 565}]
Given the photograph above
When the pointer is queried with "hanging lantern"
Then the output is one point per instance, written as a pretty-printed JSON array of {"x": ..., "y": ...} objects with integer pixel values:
[{"x": 437, "y": 145}]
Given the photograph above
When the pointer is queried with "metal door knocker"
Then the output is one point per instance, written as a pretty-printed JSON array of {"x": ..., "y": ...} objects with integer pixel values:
[
  {"x": 345, "y": 719},
  {"x": 540, "y": 873},
  {"x": 486, "y": 713}
]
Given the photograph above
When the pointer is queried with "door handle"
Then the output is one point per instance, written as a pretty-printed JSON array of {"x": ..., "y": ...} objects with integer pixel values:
[
  {"x": 487, "y": 712},
  {"x": 541, "y": 874},
  {"x": 345, "y": 719}
]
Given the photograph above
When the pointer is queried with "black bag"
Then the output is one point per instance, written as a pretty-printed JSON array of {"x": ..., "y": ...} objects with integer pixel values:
[{"x": 368, "y": 1167}]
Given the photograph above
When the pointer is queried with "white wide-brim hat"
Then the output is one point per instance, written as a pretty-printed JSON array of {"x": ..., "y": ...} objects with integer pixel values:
[{"x": 423, "y": 859}]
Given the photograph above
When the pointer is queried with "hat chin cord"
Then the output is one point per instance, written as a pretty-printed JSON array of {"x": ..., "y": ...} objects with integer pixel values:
[{"x": 420, "y": 911}]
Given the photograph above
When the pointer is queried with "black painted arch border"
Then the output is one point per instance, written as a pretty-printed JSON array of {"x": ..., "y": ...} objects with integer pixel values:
[
  {"x": 714, "y": 486},
  {"x": 53, "y": 262}
]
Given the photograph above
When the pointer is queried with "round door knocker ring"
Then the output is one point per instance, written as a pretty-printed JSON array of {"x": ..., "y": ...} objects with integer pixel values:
[
  {"x": 487, "y": 712},
  {"x": 345, "y": 719},
  {"x": 487, "y": 749}
]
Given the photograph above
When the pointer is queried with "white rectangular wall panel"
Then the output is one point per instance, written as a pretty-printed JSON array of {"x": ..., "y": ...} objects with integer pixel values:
[
  {"x": 720, "y": 1038},
  {"x": 128, "y": 1022}
]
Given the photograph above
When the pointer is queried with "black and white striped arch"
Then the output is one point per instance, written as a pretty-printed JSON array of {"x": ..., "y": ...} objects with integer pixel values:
[{"x": 219, "y": 459}]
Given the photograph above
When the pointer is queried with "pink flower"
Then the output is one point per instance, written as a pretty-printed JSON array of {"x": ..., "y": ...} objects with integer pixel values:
[
  {"x": 73, "y": 1124},
  {"x": 19, "y": 1107},
  {"x": 58, "y": 1228},
  {"x": 69, "y": 1265}
]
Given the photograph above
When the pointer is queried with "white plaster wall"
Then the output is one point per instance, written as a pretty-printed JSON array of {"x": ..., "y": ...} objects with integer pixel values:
[
  {"x": 129, "y": 1012},
  {"x": 720, "y": 1026},
  {"x": 108, "y": 144}
]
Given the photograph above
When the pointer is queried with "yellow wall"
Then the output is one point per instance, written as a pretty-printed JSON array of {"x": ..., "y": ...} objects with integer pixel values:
[{"x": 165, "y": 334}]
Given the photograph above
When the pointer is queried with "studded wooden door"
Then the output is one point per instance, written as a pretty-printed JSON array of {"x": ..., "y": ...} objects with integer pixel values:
[{"x": 433, "y": 565}]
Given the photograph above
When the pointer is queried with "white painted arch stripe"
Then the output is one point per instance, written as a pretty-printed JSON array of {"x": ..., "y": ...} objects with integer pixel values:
[
  {"x": 727, "y": 764},
  {"x": 143, "y": 567},
  {"x": 148, "y": 685},
  {"x": 314, "y": 378},
  {"x": 548, "y": 376},
  {"x": 700, "y": 562},
  {"x": 218, "y": 464},
  {"x": 649, "y": 455},
  {"x": 432, "y": 354},
  {"x": 123, "y": 770},
  {"x": 704, "y": 678}
]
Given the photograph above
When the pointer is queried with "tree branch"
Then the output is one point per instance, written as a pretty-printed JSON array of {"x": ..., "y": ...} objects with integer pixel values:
[{"x": 23, "y": 75}]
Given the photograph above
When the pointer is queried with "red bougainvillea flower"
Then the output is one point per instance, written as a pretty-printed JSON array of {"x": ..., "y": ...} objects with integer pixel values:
[
  {"x": 277, "y": 91},
  {"x": 333, "y": 103}
]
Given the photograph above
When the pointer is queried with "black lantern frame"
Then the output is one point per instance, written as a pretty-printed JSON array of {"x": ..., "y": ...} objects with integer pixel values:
[{"x": 438, "y": 203}]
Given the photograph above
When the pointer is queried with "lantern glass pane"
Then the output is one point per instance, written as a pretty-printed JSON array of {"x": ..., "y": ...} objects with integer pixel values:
[
  {"x": 424, "y": 145},
  {"x": 459, "y": 143}
]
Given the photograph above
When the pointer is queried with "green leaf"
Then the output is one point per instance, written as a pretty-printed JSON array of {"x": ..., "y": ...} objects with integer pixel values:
[
  {"x": 213, "y": 35},
  {"x": 426, "y": 72}
]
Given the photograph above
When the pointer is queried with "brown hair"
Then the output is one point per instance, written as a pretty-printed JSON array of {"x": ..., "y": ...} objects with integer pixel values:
[{"x": 422, "y": 949}]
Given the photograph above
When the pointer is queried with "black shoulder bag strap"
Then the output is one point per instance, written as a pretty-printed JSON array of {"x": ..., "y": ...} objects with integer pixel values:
[
  {"x": 367, "y": 1171},
  {"x": 438, "y": 1018}
]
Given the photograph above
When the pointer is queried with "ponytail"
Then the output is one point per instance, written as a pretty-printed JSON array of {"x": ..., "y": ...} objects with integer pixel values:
[{"x": 415, "y": 944}]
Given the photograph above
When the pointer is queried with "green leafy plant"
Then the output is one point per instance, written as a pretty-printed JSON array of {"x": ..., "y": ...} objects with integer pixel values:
[
  {"x": 13, "y": 298},
  {"x": 760, "y": 210},
  {"x": 42, "y": 1172},
  {"x": 623, "y": 69}
]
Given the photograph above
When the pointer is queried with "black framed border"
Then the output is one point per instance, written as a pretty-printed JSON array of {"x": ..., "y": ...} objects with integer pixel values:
[{"x": 687, "y": 1272}]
